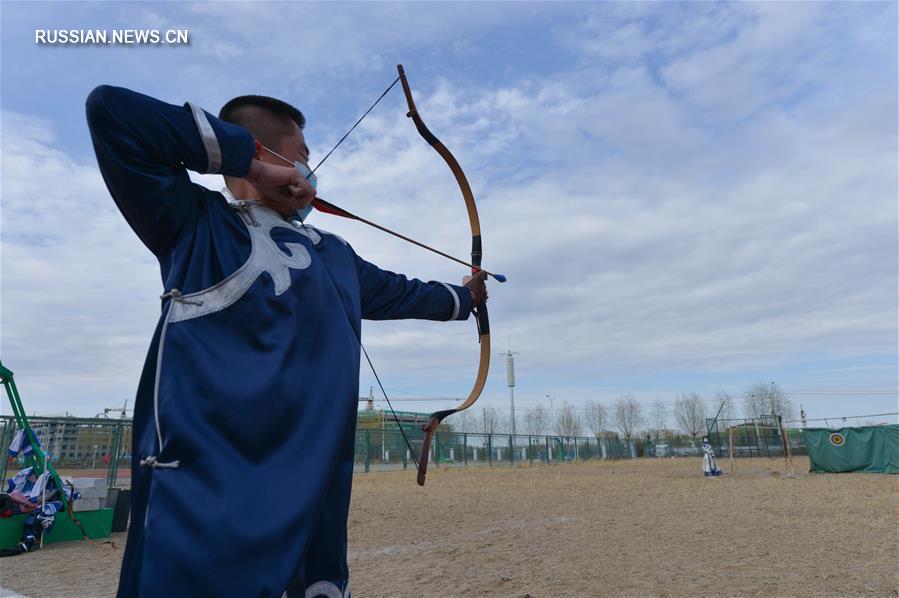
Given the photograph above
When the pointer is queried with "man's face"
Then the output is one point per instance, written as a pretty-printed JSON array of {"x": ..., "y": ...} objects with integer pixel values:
[
  {"x": 290, "y": 150},
  {"x": 293, "y": 147}
]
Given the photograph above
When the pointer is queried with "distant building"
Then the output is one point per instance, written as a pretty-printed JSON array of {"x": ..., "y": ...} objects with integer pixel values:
[
  {"x": 78, "y": 440},
  {"x": 384, "y": 420}
]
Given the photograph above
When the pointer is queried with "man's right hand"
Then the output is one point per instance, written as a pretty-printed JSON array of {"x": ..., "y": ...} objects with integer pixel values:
[{"x": 282, "y": 185}]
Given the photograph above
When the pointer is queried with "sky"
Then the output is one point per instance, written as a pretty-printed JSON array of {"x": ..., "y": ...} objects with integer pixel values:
[{"x": 685, "y": 197}]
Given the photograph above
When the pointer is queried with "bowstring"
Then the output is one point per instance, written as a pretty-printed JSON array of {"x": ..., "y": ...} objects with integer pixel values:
[
  {"x": 392, "y": 412},
  {"x": 359, "y": 337},
  {"x": 347, "y": 134}
]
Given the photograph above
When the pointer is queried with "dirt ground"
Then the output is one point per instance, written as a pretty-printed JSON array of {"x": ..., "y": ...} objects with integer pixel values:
[{"x": 626, "y": 528}]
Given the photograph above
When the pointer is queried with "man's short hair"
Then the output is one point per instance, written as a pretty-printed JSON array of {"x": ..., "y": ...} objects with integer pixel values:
[{"x": 267, "y": 119}]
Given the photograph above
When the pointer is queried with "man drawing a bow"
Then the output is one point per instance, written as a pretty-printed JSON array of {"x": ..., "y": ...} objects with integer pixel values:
[{"x": 251, "y": 380}]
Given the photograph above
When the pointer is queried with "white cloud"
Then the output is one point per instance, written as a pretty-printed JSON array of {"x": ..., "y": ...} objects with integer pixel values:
[
  {"x": 77, "y": 285},
  {"x": 696, "y": 253},
  {"x": 701, "y": 188}
]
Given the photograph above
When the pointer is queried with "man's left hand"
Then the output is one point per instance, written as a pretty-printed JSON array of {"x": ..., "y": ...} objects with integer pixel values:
[{"x": 476, "y": 284}]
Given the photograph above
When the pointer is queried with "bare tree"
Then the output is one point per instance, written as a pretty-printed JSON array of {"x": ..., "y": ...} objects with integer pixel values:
[
  {"x": 627, "y": 415},
  {"x": 489, "y": 421},
  {"x": 763, "y": 398},
  {"x": 466, "y": 422},
  {"x": 537, "y": 420},
  {"x": 658, "y": 418},
  {"x": 595, "y": 417},
  {"x": 725, "y": 402},
  {"x": 690, "y": 413},
  {"x": 568, "y": 422},
  {"x": 502, "y": 422}
]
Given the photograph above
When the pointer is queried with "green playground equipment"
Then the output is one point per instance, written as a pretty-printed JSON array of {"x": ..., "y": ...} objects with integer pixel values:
[
  {"x": 37, "y": 458},
  {"x": 92, "y": 524}
]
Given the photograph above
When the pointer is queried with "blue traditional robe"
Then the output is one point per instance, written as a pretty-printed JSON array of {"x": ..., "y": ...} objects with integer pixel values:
[{"x": 246, "y": 409}]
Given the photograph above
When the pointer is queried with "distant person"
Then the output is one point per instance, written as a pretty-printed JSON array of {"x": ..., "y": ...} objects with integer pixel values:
[{"x": 709, "y": 466}]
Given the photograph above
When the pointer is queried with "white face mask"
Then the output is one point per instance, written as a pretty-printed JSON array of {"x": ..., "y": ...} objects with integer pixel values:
[{"x": 307, "y": 174}]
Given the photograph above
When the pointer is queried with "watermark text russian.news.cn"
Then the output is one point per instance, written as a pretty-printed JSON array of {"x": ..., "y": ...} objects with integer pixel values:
[{"x": 111, "y": 37}]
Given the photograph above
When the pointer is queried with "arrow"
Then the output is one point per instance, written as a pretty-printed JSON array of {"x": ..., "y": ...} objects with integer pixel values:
[{"x": 328, "y": 208}]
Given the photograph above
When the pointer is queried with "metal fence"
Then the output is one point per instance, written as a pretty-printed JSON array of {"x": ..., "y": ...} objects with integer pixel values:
[
  {"x": 759, "y": 437},
  {"x": 385, "y": 449},
  {"x": 94, "y": 447},
  {"x": 78, "y": 447}
]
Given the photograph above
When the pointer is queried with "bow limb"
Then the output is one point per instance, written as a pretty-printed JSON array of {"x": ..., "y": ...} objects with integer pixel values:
[{"x": 483, "y": 321}]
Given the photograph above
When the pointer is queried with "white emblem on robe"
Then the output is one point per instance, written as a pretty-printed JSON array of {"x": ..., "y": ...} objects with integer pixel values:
[{"x": 265, "y": 256}]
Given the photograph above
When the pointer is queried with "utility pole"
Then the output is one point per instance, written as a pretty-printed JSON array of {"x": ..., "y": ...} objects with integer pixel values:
[
  {"x": 510, "y": 381},
  {"x": 771, "y": 399}
]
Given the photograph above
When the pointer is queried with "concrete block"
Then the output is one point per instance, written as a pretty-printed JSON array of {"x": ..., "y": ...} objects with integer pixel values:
[
  {"x": 92, "y": 492},
  {"x": 90, "y": 482},
  {"x": 86, "y": 504}
]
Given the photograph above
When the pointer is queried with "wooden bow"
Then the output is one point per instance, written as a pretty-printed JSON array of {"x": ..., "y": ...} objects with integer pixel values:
[
  {"x": 482, "y": 319},
  {"x": 483, "y": 322}
]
